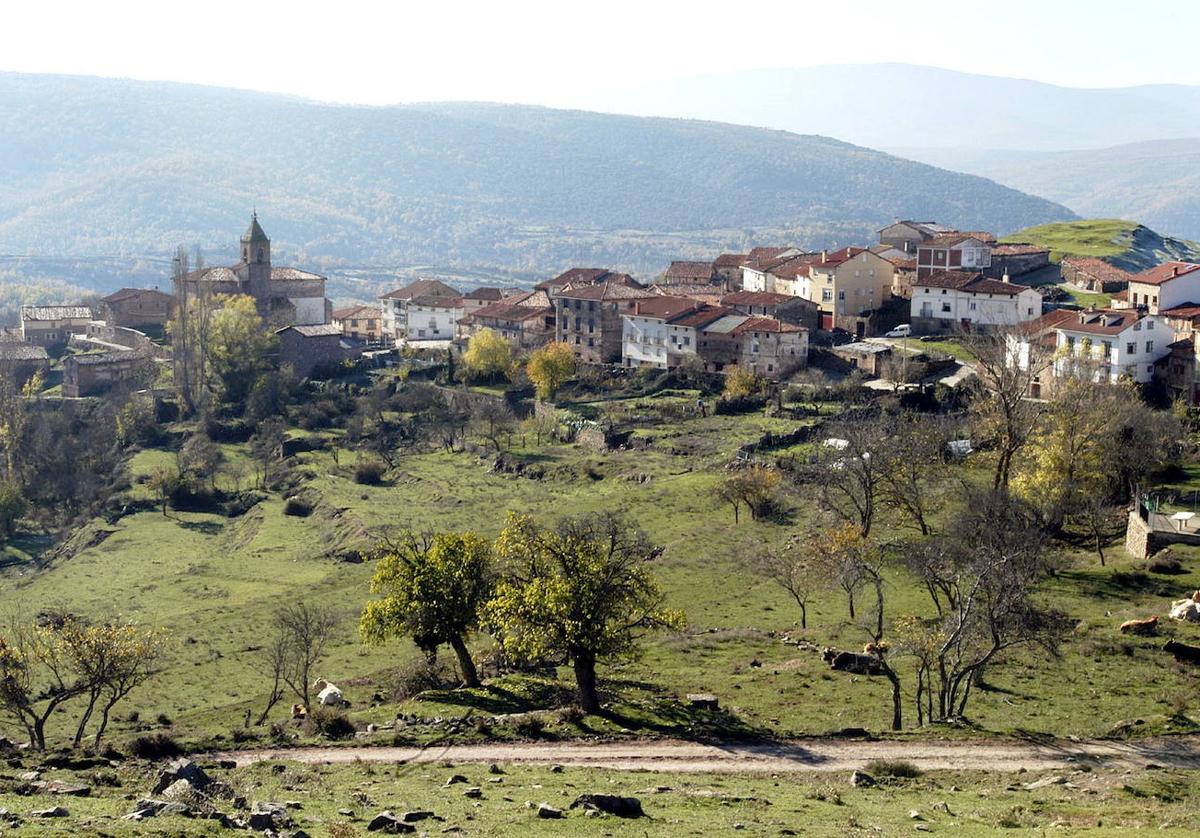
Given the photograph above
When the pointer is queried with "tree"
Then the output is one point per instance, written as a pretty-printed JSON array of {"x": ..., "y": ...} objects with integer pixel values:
[
  {"x": 488, "y": 356},
  {"x": 12, "y": 507},
  {"x": 493, "y": 420},
  {"x": 743, "y": 384},
  {"x": 799, "y": 570},
  {"x": 266, "y": 447},
  {"x": 305, "y": 631},
  {"x": 549, "y": 367},
  {"x": 846, "y": 556},
  {"x": 1008, "y": 366},
  {"x": 189, "y": 331},
  {"x": 433, "y": 589},
  {"x": 163, "y": 482},
  {"x": 850, "y": 476},
  {"x": 238, "y": 343},
  {"x": 198, "y": 460},
  {"x": 756, "y": 486},
  {"x": 913, "y": 448},
  {"x": 112, "y": 658},
  {"x": 582, "y": 588}
]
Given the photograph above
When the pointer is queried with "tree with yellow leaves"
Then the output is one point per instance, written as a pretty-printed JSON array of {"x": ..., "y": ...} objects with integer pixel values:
[
  {"x": 549, "y": 367},
  {"x": 488, "y": 356},
  {"x": 582, "y": 589}
]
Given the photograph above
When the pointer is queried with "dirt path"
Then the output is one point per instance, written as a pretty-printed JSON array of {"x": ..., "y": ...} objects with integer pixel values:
[{"x": 808, "y": 755}]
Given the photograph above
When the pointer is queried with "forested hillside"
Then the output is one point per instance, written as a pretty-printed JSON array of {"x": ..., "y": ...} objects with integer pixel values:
[{"x": 98, "y": 167}]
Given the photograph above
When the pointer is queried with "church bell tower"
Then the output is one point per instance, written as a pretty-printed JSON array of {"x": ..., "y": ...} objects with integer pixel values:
[{"x": 256, "y": 256}]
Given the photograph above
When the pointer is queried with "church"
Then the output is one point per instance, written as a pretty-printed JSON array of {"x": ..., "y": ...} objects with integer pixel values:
[{"x": 285, "y": 296}]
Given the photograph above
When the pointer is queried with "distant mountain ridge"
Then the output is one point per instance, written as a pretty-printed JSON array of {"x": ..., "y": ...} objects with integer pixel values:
[{"x": 104, "y": 167}]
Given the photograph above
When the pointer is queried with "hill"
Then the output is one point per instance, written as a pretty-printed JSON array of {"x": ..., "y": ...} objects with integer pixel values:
[
  {"x": 1157, "y": 183},
  {"x": 890, "y": 106},
  {"x": 1125, "y": 244},
  {"x": 101, "y": 167}
]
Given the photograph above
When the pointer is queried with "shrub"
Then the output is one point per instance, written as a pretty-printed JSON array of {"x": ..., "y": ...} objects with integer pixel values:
[
  {"x": 369, "y": 472},
  {"x": 163, "y": 719},
  {"x": 297, "y": 506},
  {"x": 418, "y": 676},
  {"x": 896, "y": 768},
  {"x": 155, "y": 746},
  {"x": 1165, "y": 563},
  {"x": 531, "y": 727},
  {"x": 330, "y": 723}
]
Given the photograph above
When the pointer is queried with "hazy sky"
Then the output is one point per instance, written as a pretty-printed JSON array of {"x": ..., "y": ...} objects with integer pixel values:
[{"x": 561, "y": 52}]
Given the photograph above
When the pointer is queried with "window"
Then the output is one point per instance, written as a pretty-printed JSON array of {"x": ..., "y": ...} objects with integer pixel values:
[
  {"x": 687, "y": 341},
  {"x": 841, "y": 295},
  {"x": 591, "y": 326},
  {"x": 945, "y": 308},
  {"x": 1131, "y": 348},
  {"x": 591, "y": 306},
  {"x": 826, "y": 295},
  {"x": 1149, "y": 346},
  {"x": 420, "y": 333},
  {"x": 972, "y": 305},
  {"x": 1149, "y": 324},
  {"x": 1137, "y": 327},
  {"x": 943, "y": 290}
]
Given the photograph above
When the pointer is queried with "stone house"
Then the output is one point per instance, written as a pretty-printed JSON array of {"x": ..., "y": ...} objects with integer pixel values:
[
  {"x": 906, "y": 236},
  {"x": 727, "y": 270},
  {"x": 96, "y": 373},
  {"x": 782, "y": 307},
  {"x": 1016, "y": 259},
  {"x": 1094, "y": 275},
  {"x": 359, "y": 322},
  {"x": 308, "y": 348},
  {"x": 20, "y": 360},
  {"x": 525, "y": 320},
  {"x": 138, "y": 308},
  {"x": 588, "y": 318},
  {"x": 688, "y": 273},
  {"x": 48, "y": 326}
]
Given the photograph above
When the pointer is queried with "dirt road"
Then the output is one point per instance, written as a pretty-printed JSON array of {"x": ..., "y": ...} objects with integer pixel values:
[{"x": 806, "y": 755}]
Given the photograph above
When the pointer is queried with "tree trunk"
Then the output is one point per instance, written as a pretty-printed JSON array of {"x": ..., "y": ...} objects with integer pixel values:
[
  {"x": 850, "y": 601},
  {"x": 803, "y": 616},
  {"x": 84, "y": 719},
  {"x": 469, "y": 673},
  {"x": 103, "y": 726},
  {"x": 585, "y": 681},
  {"x": 897, "y": 708}
]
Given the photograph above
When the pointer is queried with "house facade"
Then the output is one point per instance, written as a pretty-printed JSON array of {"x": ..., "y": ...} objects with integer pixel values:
[
  {"x": 308, "y": 348},
  {"x": 1109, "y": 344},
  {"x": 394, "y": 308},
  {"x": 359, "y": 322},
  {"x": 848, "y": 283},
  {"x": 53, "y": 325},
  {"x": 906, "y": 236},
  {"x": 952, "y": 300},
  {"x": 783, "y": 307},
  {"x": 1094, "y": 275},
  {"x": 525, "y": 320},
  {"x": 1169, "y": 285},
  {"x": 588, "y": 318},
  {"x": 138, "y": 307},
  {"x": 953, "y": 252}
]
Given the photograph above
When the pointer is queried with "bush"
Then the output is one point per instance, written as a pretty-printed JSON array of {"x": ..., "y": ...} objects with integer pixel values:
[
  {"x": 418, "y": 676},
  {"x": 330, "y": 723},
  {"x": 531, "y": 727},
  {"x": 1166, "y": 563},
  {"x": 369, "y": 472},
  {"x": 297, "y": 506},
  {"x": 155, "y": 746},
  {"x": 896, "y": 768}
]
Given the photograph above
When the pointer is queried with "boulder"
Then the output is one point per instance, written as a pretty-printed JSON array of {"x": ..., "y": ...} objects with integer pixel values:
[
  {"x": 415, "y": 816},
  {"x": 269, "y": 815},
  {"x": 610, "y": 804},
  {"x": 545, "y": 810},
  {"x": 387, "y": 822},
  {"x": 473, "y": 792},
  {"x": 182, "y": 769},
  {"x": 455, "y": 779},
  {"x": 1054, "y": 780},
  {"x": 862, "y": 780},
  {"x": 181, "y": 810},
  {"x": 180, "y": 791},
  {"x": 61, "y": 787},
  {"x": 54, "y": 812}
]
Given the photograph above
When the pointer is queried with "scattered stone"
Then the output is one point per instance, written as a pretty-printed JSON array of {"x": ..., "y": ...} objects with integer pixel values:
[
  {"x": 388, "y": 822},
  {"x": 53, "y": 812},
  {"x": 418, "y": 815},
  {"x": 178, "y": 809},
  {"x": 299, "y": 833},
  {"x": 293, "y": 804},
  {"x": 180, "y": 790},
  {"x": 739, "y": 826},
  {"x": 703, "y": 701},
  {"x": 239, "y": 802},
  {"x": 556, "y": 769},
  {"x": 495, "y": 779},
  {"x": 862, "y": 780},
  {"x": 60, "y": 787},
  {"x": 455, "y": 779},
  {"x": 495, "y": 769},
  {"x": 913, "y": 814},
  {"x": 182, "y": 769},
  {"x": 610, "y": 804},
  {"x": 227, "y": 764},
  {"x": 545, "y": 810},
  {"x": 922, "y": 827},
  {"x": 346, "y": 813},
  {"x": 31, "y": 776},
  {"x": 1055, "y": 780},
  {"x": 473, "y": 792},
  {"x": 268, "y": 815}
]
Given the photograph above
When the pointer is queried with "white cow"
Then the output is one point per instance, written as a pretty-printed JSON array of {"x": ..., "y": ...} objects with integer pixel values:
[
  {"x": 1186, "y": 610},
  {"x": 329, "y": 695}
]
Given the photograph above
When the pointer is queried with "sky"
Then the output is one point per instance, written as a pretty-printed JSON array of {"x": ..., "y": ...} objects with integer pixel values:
[{"x": 563, "y": 53}]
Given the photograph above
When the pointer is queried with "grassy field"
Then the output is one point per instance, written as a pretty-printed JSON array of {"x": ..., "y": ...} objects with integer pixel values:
[
  {"x": 1086, "y": 298},
  {"x": 1097, "y": 237},
  {"x": 341, "y": 800},
  {"x": 213, "y": 583}
]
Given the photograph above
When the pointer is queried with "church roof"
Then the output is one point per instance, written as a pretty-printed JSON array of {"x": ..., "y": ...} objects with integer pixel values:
[
  {"x": 254, "y": 233},
  {"x": 280, "y": 274}
]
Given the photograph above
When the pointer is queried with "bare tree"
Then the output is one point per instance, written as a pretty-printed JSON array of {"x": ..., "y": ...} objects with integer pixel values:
[
  {"x": 914, "y": 455},
  {"x": 850, "y": 476},
  {"x": 1009, "y": 363},
  {"x": 277, "y": 656},
  {"x": 308, "y": 630},
  {"x": 799, "y": 570},
  {"x": 493, "y": 421}
]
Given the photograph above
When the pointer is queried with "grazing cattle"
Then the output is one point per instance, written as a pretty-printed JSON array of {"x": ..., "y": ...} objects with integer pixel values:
[
  {"x": 329, "y": 695},
  {"x": 1145, "y": 628},
  {"x": 1183, "y": 652},
  {"x": 299, "y": 711},
  {"x": 852, "y": 662},
  {"x": 1186, "y": 610}
]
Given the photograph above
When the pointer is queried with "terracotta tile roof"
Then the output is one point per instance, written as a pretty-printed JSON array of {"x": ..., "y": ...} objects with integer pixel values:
[
  {"x": 730, "y": 260},
  {"x": 491, "y": 294},
  {"x": 573, "y": 276},
  {"x": 422, "y": 288},
  {"x": 929, "y": 228},
  {"x": 357, "y": 313},
  {"x": 952, "y": 239},
  {"x": 130, "y": 293},
  {"x": 18, "y": 351},
  {"x": 1164, "y": 273},
  {"x": 1048, "y": 322},
  {"x": 314, "y": 331},
  {"x": 45, "y": 313},
  {"x": 681, "y": 271},
  {"x": 664, "y": 307},
  {"x": 607, "y": 290},
  {"x": 1018, "y": 249},
  {"x": 1184, "y": 311},
  {"x": 971, "y": 283},
  {"x": 1101, "y": 321},
  {"x": 699, "y": 293},
  {"x": 437, "y": 302},
  {"x": 755, "y": 298},
  {"x": 765, "y": 324},
  {"x": 1096, "y": 268},
  {"x": 702, "y": 317}
]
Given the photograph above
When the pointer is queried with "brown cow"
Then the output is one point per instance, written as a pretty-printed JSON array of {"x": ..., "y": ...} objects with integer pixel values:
[{"x": 1144, "y": 628}]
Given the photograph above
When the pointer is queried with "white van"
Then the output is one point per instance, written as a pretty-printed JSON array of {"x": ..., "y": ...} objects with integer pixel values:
[{"x": 901, "y": 331}]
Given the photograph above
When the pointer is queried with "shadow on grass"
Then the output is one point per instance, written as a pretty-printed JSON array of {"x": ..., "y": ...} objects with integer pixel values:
[
  {"x": 1119, "y": 584},
  {"x": 203, "y": 527}
]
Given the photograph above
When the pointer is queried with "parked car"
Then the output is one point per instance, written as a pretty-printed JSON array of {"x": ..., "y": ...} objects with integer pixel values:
[{"x": 901, "y": 331}]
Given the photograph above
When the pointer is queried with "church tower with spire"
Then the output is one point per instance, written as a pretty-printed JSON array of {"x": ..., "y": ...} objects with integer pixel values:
[{"x": 256, "y": 257}]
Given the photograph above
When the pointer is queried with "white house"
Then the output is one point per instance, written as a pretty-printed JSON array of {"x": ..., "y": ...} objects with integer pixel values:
[
  {"x": 1165, "y": 286},
  {"x": 947, "y": 300},
  {"x": 1109, "y": 343},
  {"x": 433, "y": 318},
  {"x": 757, "y": 270},
  {"x": 394, "y": 311},
  {"x": 661, "y": 331}
]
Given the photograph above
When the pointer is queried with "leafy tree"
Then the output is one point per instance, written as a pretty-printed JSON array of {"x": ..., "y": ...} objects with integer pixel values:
[
  {"x": 238, "y": 343},
  {"x": 488, "y": 356},
  {"x": 742, "y": 383},
  {"x": 163, "y": 482},
  {"x": 112, "y": 658},
  {"x": 189, "y": 331},
  {"x": 433, "y": 589},
  {"x": 847, "y": 557},
  {"x": 799, "y": 570},
  {"x": 582, "y": 589},
  {"x": 549, "y": 367},
  {"x": 756, "y": 486},
  {"x": 12, "y": 507}
]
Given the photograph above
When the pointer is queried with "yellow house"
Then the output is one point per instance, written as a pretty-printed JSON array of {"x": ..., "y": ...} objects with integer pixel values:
[{"x": 848, "y": 282}]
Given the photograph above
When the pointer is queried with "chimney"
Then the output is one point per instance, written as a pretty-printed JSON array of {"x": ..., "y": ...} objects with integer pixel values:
[
  {"x": 1174, "y": 270},
  {"x": 1005, "y": 277},
  {"x": 824, "y": 256}
]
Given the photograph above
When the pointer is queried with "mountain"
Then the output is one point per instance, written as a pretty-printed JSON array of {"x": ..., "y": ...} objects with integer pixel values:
[
  {"x": 1157, "y": 183},
  {"x": 903, "y": 105},
  {"x": 1133, "y": 247},
  {"x": 100, "y": 167}
]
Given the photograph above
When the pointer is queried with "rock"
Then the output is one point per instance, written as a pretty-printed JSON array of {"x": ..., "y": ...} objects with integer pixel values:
[
  {"x": 1055, "y": 780},
  {"x": 473, "y": 792},
  {"x": 269, "y": 815},
  {"x": 495, "y": 769},
  {"x": 182, "y": 769},
  {"x": 862, "y": 780},
  {"x": 703, "y": 701},
  {"x": 610, "y": 804},
  {"x": 31, "y": 776},
  {"x": 180, "y": 790},
  {"x": 61, "y": 787},
  {"x": 545, "y": 810},
  {"x": 913, "y": 814},
  {"x": 54, "y": 812},
  {"x": 293, "y": 804},
  {"x": 418, "y": 815},
  {"x": 178, "y": 809},
  {"x": 455, "y": 779},
  {"x": 346, "y": 813},
  {"x": 299, "y": 833},
  {"x": 922, "y": 827},
  {"x": 556, "y": 769},
  {"x": 387, "y": 822},
  {"x": 227, "y": 764}
]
